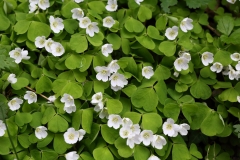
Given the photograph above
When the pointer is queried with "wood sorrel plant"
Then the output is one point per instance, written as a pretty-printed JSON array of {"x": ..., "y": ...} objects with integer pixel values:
[{"x": 119, "y": 79}]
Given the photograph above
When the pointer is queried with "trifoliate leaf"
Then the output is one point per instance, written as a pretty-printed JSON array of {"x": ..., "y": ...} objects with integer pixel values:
[{"x": 225, "y": 25}]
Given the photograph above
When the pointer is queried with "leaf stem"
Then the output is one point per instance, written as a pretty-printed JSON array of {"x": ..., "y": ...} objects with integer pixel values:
[{"x": 214, "y": 30}]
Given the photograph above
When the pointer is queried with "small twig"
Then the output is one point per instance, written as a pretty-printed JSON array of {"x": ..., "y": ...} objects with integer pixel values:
[
  {"x": 214, "y": 30},
  {"x": 37, "y": 93}
]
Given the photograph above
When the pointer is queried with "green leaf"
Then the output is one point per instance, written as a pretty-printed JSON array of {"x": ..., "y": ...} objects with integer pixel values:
[
  {"x": 48, "y": 114},
  {"x": 234, "y": 111},
  {"x": 225, "y": 25},
  {"x": 97, "y": 6},
  {"x": 87, "y": 119},
  {"x": 196, "y": 3},
  {"x": 114, "y": 106},
  {"x": 162, "y": 73},
  {"x": 109, "y": 134},
  {"x": 146, "y": 42},
  {"x": 73, "y": 61},
  {"x": 145, "y": 98},
  {"x": 141, "y": 153},
  {"x": 57, "y": 124},
  {"x": 6, "y": 143},
  {"x": 78, "y": 43},
  {"x": 38, "y": 29},
  {"x": 133, "y": 25},
  {"x": 222, "y": 85},
  {"x": 49, "y": 155},
  {"x": 36, "y": 119},
  {"x": 171, "y": 110},
  {"x": 73, "y": 89},
  {"x": 85, "y": 62},
  {"x": 168, "y": 48},
  {"x": 59, "y": 144},
  {"x": 96, "y": 40},
  {"x": 45, "y": 141},
  {"x": 67, "y": 7},
  {"x": 23, "y": 118},
  {"x": 44, "y": 84},
  {"x": 166, "y": 4},
  {"x": 102, "y": 154},
  {"x": 161, "y": 90},
  {"x": 144, "y": 13},
  {"x": 200, "y": 90},
  {"x": 151, "y": 121},
  {"x": 22, "y": 26},
  {"x": 77, "y": 119},
  {"x": 115, "y": 40},
  {"x": 134, "y": 116},
  {"x": 154, "y": 33},
  {"x": 161, "y": 22},
  {"x": 223, "y": 57},
  {"x": 5, "y": 23},
  {"x": 21, "y": 83},
  {"x": 180, "y": 152},
  {"x": 70, "y": 25},
  {"x": 212, "y": 124},
  {"x": 123, "y": 150},
  {"x": 194, "y": 151},
  {"x": 23, "y": 140},
  {"x": 229, "y": 95}
]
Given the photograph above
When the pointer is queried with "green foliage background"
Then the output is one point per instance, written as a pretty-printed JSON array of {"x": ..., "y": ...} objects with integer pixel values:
[{"x": 203, "y": 99}]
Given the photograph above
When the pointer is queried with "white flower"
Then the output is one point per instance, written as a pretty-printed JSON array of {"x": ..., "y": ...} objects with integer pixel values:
[
  {"x": 107, "y": 49},
  {"x": 2, "y": 128},
  {"x": 111, "y": 5},
  {"x": 32, "y": 7},
  {"x": 84, "y": 22},
  {"x": 116, "y": 88},
  {"x": 97, "y": 98},
  {"x": 118, "y": 80},
  {"x": 171, "y": 33},
  {"x": 146, "y": 137},
  {"x": 81, "y": 132},
  {"x": 231, "y": 1},
  {"x": 56, "y": 24},
  {"x": 147, "y": 72},
  {"x": 33, "y": 1},
  {"x": 176, "y": 74},
  {"x": 99, "y": 107},
  {"x": 185, "y": 55},
  {"x": 43, "y": 4},
  {"x": 152, "y": 157},
  {"x": 126, "y": 122},
  {"x": 51, "y": 99},
  {"x": 183, "y": 129},
  {"x": 232, "y": 74},
  {"x": 103, "y": 73},
  {"x": 238, "y": 66},
  {"x": 125, "y": 132},
  {"x": 169, "y": 128},
  {"x": 11, "y": 78},
  {"x": 158, "y": 141},
  {"x": 72, "y": 156},
  {"x": 78, "y": 1},
  {"x": 69, "y": 109},
  {"x": 181, "y": 63},
  {"x": 207, "y": 57},
  {"x": 113, "y": 66},
  {"x": 135, "y": 129},
  {"x": 68, "y": 100},
  {"x": 103, "y": 113},
  {"x": 235, "y": 56},
  {"x": 139, "y": 1},
  {"x": 114, "y": 121},
  {"x": 237, "y": 75},
  {"x": 92, "y": 28},
  {"x": 14, "y": 104},
  {"x": 226, "y": 70},
  {"x": 71, "y": 136},
  {"x": 108, "y": 22},
  {"x": 41, "y": 132},
  {"x": 19, "y": 55},
  {"x": 186, "y": 24},
  {"x": 77, "y": 13},
  {"x": 57, "y": 49},
  {"x": 48, "y": 44},
  {"x": 238, "y": 99},
  {"x": 30, "y": 96},
  {"x": 40, "y": 41},
  {"x": 131, "y": 141},
  {"x": 216, "y": 67}
]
